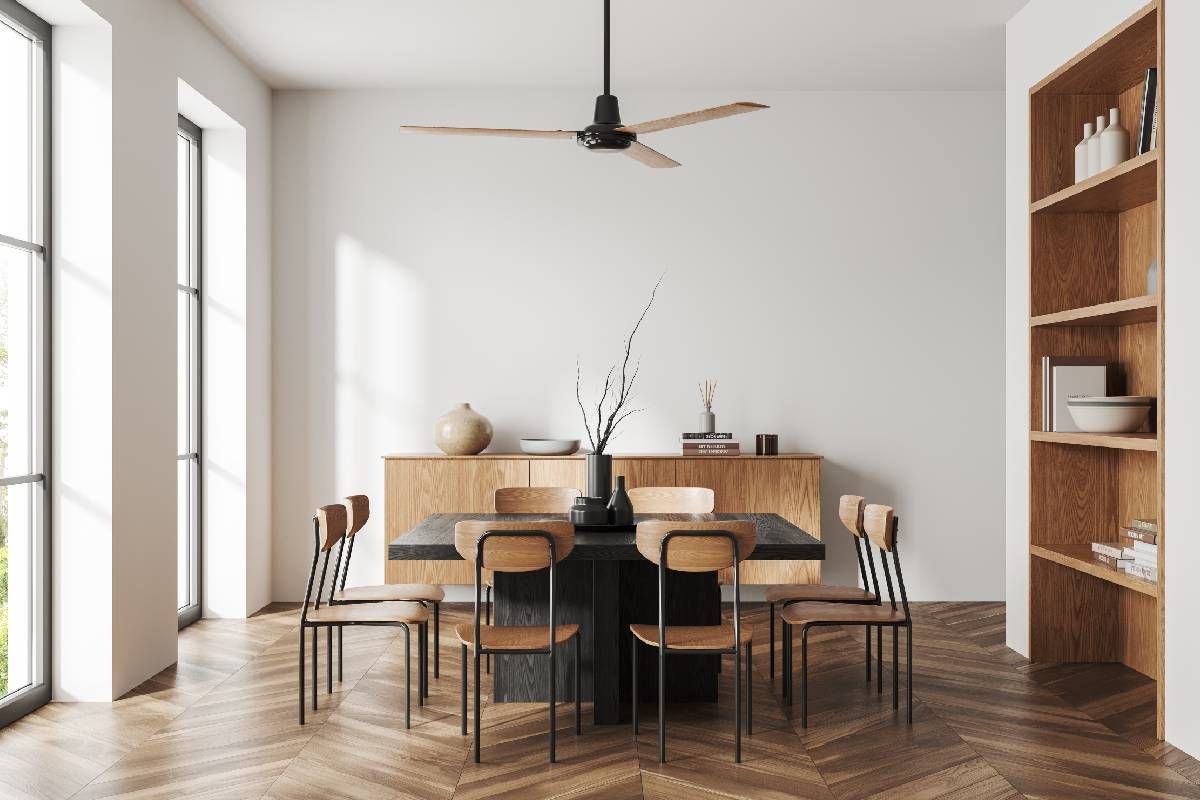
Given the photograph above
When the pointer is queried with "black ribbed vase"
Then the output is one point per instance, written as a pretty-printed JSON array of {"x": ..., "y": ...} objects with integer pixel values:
[{"x": 599, "y": 475}]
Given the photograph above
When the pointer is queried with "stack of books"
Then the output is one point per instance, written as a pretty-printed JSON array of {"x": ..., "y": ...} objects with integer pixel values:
[
  {"x": 710, "y": 444},
  {"x": 1136, "y": 552}
]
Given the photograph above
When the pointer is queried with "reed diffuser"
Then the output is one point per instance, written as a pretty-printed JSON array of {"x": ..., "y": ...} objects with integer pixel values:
[{"x": 708, "y": 420}]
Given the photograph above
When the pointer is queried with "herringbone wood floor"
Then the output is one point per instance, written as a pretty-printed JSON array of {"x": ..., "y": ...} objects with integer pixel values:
[{"x": 222, "y": 723}]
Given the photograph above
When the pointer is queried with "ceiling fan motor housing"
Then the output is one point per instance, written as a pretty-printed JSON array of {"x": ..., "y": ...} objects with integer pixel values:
[{"x": 602, "y": 134}]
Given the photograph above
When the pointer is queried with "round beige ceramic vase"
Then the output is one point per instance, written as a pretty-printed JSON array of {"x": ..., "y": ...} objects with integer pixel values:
[{"x": 462, "y": 431}]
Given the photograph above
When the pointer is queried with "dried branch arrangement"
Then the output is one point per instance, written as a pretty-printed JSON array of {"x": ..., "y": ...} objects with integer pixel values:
[
  {"x": 612, "y": 408},
  {"x": 707, "y": 390}
]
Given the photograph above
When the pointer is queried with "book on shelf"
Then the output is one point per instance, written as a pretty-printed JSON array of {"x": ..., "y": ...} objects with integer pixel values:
[
  {"x": 1148, "y": 525},
  {"x": 1149, "y": 118},
  {"x": 1146, "y": 547},
  {"x": 1144, "y": 572},
  {"x": 1140, "y": 558},
  {"x": 704, "y": 437},
  {"x": 1068, "y": 376},
  {"x": 732, "y": 450},
  {"x": 1112, "y": 562},
  {"x": 1139, "y": 535},
  {"x": 1110, "y": 550}
]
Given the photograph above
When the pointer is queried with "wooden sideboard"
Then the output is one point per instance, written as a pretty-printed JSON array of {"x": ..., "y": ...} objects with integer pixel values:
[{"x": 419, "y": 485}]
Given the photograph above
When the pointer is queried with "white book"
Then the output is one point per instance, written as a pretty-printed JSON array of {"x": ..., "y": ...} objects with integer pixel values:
[
  {"x": 1074, "y": 381},
  {"x": 1146, "y": 547},
  {"x": 1145, "y": 573},
  {"x": 1139, "y": 557},
  {"x": 1107, "y": 549}
]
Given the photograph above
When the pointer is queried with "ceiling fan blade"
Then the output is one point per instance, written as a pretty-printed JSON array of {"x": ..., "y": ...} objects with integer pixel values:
[
  {"x": 691, "y": 118},
  {"x": 516, "y": 133},
  {"x": 649, "y": 156}
]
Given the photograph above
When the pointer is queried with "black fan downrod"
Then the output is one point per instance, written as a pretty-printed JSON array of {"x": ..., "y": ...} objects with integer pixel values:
[{"x": 602, "y": 134}]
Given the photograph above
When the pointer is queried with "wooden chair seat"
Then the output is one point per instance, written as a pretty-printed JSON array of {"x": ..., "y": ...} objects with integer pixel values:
[
  {"x": 693, "y": 637},
  {"x": 523, "y": 637},
  {"x": 369, "y": 612},
  {"x": 848, "y": 613},
  {"x": 817, "y": 591},
  {"x": 391, "y": 591}
]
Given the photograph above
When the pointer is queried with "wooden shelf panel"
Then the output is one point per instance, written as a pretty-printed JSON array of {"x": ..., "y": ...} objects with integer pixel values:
[
  {"x": 1129, "y": 311},
  {"x": 1112, "y": 63},
  {"x": 1147, "y": 442},
  {"x": 1130, "y": 184},
  {"x": 1079, "y": 557}
]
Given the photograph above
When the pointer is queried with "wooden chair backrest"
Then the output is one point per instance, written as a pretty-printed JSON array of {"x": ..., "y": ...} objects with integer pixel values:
[
  {"x": 331, "y": 524},
  {"x": 514, "y": 553},
  {"x": 358, "y": 511},
  {"x": 535, "y": 499},
  {"x": 880, "y": 524},
  {"x": 696, "y": 553},
  {"x": 672, "y": 500},
  {"x": 850, "y": 511}
]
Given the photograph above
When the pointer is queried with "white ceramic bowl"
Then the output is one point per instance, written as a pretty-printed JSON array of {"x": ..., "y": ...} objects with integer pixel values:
[
  {"x": 549, "y": 447},
  {"x": 1123, "y": 414}
]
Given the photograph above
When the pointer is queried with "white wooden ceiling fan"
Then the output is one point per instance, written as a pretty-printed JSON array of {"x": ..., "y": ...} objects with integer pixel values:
[{"x": 607, "y": 133}]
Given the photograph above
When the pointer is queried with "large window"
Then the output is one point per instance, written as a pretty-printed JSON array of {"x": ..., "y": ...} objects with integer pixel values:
[
  {"x": 24, "y": 540},
  {"x": 187, "y": 299}
]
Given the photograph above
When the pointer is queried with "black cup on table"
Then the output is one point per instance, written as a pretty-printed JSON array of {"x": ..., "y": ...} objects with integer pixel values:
[{"x": 766, "y": 444}]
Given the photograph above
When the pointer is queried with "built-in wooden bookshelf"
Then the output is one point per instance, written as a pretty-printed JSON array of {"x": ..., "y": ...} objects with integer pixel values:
[{"x": 1089, "y": 248}]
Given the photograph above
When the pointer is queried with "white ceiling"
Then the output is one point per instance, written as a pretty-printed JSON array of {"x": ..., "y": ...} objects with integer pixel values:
[{"x": 657, "y": 44}]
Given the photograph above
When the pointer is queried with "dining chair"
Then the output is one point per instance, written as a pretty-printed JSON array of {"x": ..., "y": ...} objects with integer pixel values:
[
  {"x": 880, "y": 523},
  {"x": 516, "y": 546},
  {"x": 358, "y": 511},
  {"x": 525, "y": 500},
  {"x": 672, "y": 500},
  {"x": 696, "y": 547},
  {"x": 850, "y": 511},
  {"x": 329, "y": 527}
]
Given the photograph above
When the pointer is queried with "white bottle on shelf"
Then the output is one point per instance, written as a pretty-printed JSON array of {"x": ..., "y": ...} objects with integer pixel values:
[
  {"x": 1093, "y": 148},
  {"x": 1081, "y": 153},
  {"x": 1114, "y": 142}
]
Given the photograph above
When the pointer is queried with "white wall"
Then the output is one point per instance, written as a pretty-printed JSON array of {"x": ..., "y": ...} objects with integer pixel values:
[
  {"x": 834, "y": 262},
  {"x": 1182, "y": 282},
  {"x": 1039, "y": 39},
  {"x": 126, "y": 282}
]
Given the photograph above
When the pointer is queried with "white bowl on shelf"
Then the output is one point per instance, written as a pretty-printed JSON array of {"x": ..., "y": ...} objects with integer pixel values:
[
  {"x": 549, "y": 447},
  {"x": 1120, "y": 414}
]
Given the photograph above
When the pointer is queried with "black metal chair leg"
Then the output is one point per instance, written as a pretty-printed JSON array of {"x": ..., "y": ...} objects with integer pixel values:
[
  {"x": 329, "y": 659},
  {"x": 750, "y": 688},
  {"x": 804, "y": 677},
  {"x": 867, "y": 631},
  {"x": 422, "y": 660},
  {"x": 302, "y": 665},
  {"x": 662, "y": 704},
  {"x": 408, "y": 681},
  {"x": 636, "y": 699},
  {"x": 553, "y": 700},
  {"x": 463, "y": 707},
  {"x": 879, "y": 657},
  {"x": 340, "y": 653},
  {"x": 908, "y": 639},
  {"x": 578, "y": 686},
  {"x": 787, "y": 662},
  {"x": 315, "y": 659},
  {"x": 476, "y": 702},
  {"x": 895, "y": 667},
  {"x": 737, "y": 703},
  {"x": 437, "y": 640},
  {"x": 487, "y": 619},
  {"x": 772, "y": 606}
]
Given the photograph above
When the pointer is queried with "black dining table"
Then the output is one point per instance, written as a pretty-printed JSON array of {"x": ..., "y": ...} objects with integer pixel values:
[{"x": 604, "y": 585}]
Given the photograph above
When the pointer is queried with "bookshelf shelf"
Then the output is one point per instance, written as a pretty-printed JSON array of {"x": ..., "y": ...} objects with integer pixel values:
[
  {"x": 1090, "y": 246},
  {"x": 1079, "y": 558},
  {"x": 1128, "y": 185},
  {"x": 1130, "y": 311},
  {"x": 1147, "y": 442}
]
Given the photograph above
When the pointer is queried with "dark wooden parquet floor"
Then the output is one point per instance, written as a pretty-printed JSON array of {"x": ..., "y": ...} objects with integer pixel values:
[{"x": 987, "y": 724}]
